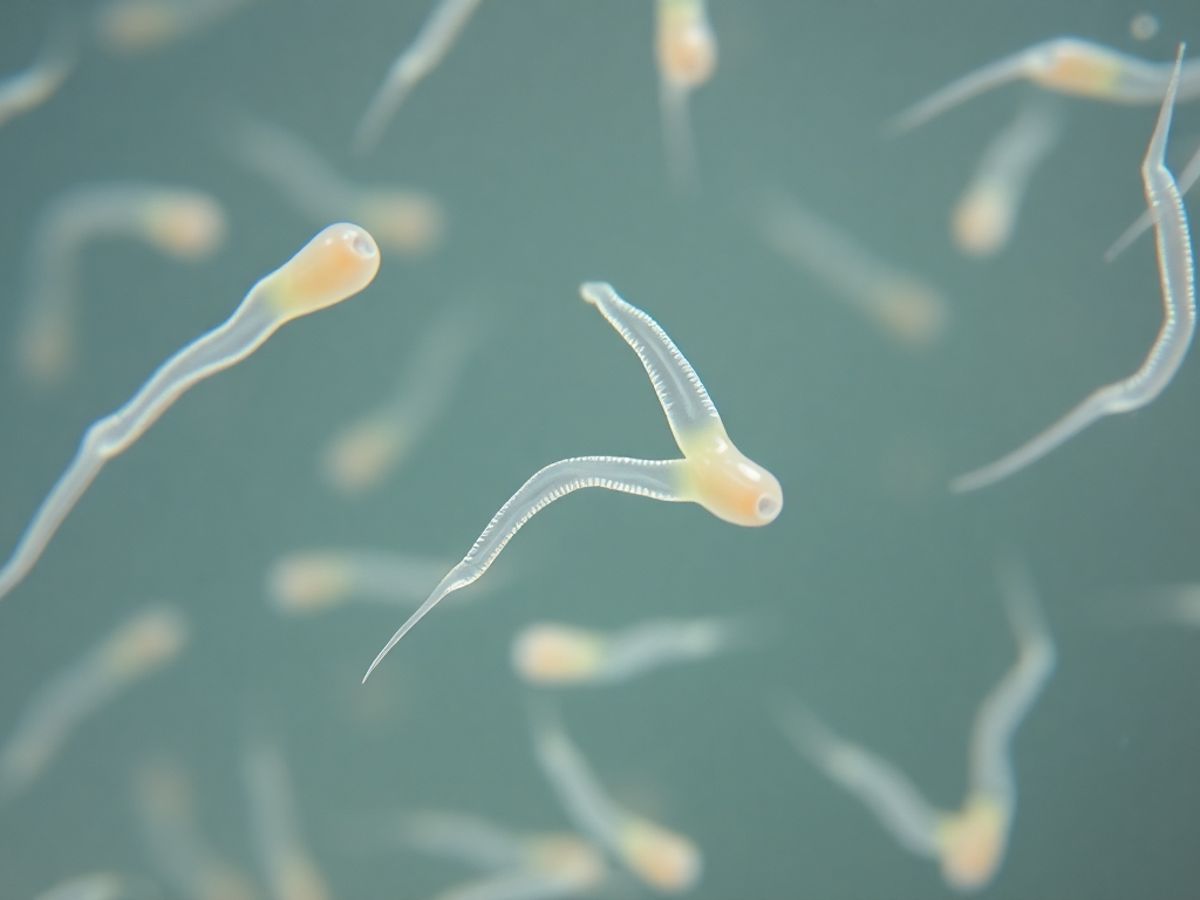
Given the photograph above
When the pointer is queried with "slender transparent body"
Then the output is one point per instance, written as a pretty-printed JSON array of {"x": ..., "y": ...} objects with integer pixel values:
[
  {"x": 521, "y": 865},
  {"x": 686, "y": 52},
  {"x": 442, "y": 28},
  {"x": 1188, "y": 176},
  {"x": 186, "y": 224},
  {"x": 187, "y": 864},
  {"x": 1176, "y": 269},
  {"x": 96, "y": 886},
  {"x": 549, "y": 653},
  {"x": 338, "y": 263},
  {"x": 28, "y": 89},
  {"x": 141, "y": 645},
  {"x": 1065, "y": 65},
  {"x": 970, "y": 842},
  {"x": 712, "y": 472},
  {"x": 130, "y": 27},
  {"x": 984, "y": 217},
  {"x": 658, "y": 857},
  {"x": 405, "y": 220},
  {"x": 290, "y": 871},
  {"x": 905, "y": 307},
  {"x": 313, "y": 581},
  {"x": 365, "y": 450}
]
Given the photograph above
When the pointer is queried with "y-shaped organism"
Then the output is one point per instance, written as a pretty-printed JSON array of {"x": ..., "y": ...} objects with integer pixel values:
[
  {"x": 1176, "y": 270},
  {"x": 658, "y": 857},
  {"x": 136, "y": 26},
  {"x": 983, "y": 219},
  {"x": 686, "y": 49},
  {"x": 33, "y": 86},
  {"x": 338, "y": 263},
  {"x": 1188, "y": 176},
  {"x": 968, "y": 843},
  {"x": 290, "y": 871},
  {"x": 905, "y": 306},
  {"x": 520, "y": 866},
  {"x": 306, "y": 582},
  {"x": 408, "y": 221},
  {"x": 712, "y": 472},
  {"x": 364, "y": 450},
  {"x": 190, "y": 868},
  {"x": 552, "y": 654},
  {"x": 437, "y": 35},
  {"x": 1066, "y": 65},
  {"x": 142, "y": 644},
  {"x": 186, "y": 224}
]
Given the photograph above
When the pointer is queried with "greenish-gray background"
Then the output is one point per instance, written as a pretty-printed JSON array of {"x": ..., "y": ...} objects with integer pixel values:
[{"x": 540, "y": 135}]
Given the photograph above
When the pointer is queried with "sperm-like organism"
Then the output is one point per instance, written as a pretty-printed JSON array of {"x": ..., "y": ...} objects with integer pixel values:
[
  {"x": 1066, "y": 65},
  {"x": 31, "y": 87},
  {"x": 307, "y": 582},
  {"x": 655, "y": 855},
  {"x": 520, "y": 865},
  {"x": 904, "y": 306},
  {"x": 554, "y": 654},
  {"x": 984, "y": 217},
  {"x": 437, "y": 35},
  {"x": 189, "y": 866},
  {"x": 336, "y": 264},
  {"x": 366, "y": 449},
  {"x": 408, "y": 221},
  {"x": 290, "y": 870},
  {"x": 186, "y": 224},
  {"x": 970, "y": 842},
  {"x": 686, "y": 49},
  {"x": 139, "y": 646},
  {"x": 712, "y": 472},
  {"x": 1177, "y": 275}
]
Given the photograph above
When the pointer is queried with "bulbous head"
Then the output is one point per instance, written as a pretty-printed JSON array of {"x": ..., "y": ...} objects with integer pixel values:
[
  {"x": 335, "y": 265},
  {"x": 555, "y": 654},
  {"x": 132, "y": 26},
  {"x": 405, "y": 221},
  {"x": 730, "y": 485},
  {"x": 687, "y": 49},
  {"x": 666, "y": 861},
  {"x": 1073, "y": 66},
  {"x": 148, "y": 641},
  {"x": 186, "y": 224},
  {"x": 972, "y": 844}
]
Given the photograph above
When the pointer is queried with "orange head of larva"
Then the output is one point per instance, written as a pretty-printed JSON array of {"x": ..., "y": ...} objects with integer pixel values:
[
  {"x": 666, "y": 861},
  {"x": 972, "y": 844},
  {"x": 1072, "y": 66},
  {"x": 982, "y": 221},
  {"x": 308, "y": 582},
  {"x": 405, "y": 221},
  {"x": 570, "y": 860},
  {"x": 147, "y": 642},
  {"x": 556, "y": 654},
  {"x": 687, "y": 50},
  {"x": 187, "y": 225},
  {"x": 728, "y": 484},
  {"x": 335, "y": 265}
]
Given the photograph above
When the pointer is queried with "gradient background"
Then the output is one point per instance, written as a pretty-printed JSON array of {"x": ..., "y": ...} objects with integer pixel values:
[{"x": 540, "y": 134}]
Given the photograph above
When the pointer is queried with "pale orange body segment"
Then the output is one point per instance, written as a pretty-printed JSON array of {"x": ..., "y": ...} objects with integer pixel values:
[
  {"x": 557, "y": 653},
  {"x": 685, "y": 46},
  {"x": 971, "y": 843},
  {"x": 1079, "y": 69},
  {"x": 666, "y": 861},
  {"x": 338, "y": 262},
  {"x": 727, "y": 483}
]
